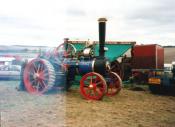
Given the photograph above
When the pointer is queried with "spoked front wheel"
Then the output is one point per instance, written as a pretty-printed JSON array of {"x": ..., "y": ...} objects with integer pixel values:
[
  {"x": 39, "y": 76},
  {"x": 114, "y": 84},
  {"x": 93, "y": 86}
]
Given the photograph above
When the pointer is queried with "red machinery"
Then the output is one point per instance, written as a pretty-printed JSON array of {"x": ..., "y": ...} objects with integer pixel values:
[{"x": 146, "y": 58}]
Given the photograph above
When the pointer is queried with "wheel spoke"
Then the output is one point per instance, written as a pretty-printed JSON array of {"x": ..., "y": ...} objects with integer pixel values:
[
  {"x": 37, "y": 86},
  {"x": 99, "y": 83},
  {"x": 34, "y": 67},
  {"x": 43, "y": 83},
  {"x": 38, "y": 69},
  {"x": 88, "y": 91},
  {"x": 42, "y": 67},
  {"x": 96, "y": 79},
  {"x": 32, "y": 82},
  {"x": 98, "y": 91},
  {"x": 91, "y": 80},
  {"x": 112, "y": 67}
]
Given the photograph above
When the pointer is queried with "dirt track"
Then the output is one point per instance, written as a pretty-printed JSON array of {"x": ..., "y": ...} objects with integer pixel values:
[{"x": 128, "y": 109}]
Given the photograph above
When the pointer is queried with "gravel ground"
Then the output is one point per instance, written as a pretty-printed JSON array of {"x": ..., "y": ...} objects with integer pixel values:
[
  {"x": 20, "y": 109},
  {"x": 128, "y": 109}
]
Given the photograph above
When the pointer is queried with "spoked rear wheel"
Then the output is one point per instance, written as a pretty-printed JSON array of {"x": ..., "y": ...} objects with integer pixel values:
[
  {"x": 114, "y": 84},
  {"x": 93, "y": 86},
  {"x": 39, "y": 76},
  {"x": 116, "y": 67}
]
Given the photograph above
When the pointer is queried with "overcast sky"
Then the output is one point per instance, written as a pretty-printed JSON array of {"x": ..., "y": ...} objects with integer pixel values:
[{"x": 47, "y": 22}]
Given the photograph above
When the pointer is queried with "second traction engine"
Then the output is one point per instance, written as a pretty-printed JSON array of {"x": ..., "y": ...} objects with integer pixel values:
[{"x": 58, "y": 70}]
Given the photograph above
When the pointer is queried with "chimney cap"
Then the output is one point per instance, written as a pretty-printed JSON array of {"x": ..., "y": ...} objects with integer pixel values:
[
  {"x": 66, "y": 39},
  {"x": 102, "y": 20}
]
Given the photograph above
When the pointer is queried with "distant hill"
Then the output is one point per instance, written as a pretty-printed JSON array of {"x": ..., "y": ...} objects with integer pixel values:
[
  {"x": 22, "y": 51},
  {"x": 18, "y": 48},
  {"x": 169, "y": 46}
]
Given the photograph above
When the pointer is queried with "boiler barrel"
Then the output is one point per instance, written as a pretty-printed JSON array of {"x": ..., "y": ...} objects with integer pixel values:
[
  {"x": 95, "y": 65},
  {"x": 85, "y": 67}
]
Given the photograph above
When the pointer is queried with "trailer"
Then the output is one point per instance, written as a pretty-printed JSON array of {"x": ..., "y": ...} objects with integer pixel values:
[{"x": 146, "y": 58}]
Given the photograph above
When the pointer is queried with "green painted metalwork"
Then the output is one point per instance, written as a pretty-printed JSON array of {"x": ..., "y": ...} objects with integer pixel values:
[
  {"x": 79, "y": 46},
  {"x": 114, "y": 50}
]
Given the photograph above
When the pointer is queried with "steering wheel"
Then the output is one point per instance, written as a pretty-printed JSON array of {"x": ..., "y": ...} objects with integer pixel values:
[{"x": 65, "y": 50}]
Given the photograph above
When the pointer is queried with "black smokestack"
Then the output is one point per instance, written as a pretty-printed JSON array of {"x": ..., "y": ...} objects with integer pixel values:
[{"x": 102, "y": 32}]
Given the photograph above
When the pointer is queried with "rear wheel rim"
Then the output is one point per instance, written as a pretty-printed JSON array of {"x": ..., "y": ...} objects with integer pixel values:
[{"x": 114, "y": 83}]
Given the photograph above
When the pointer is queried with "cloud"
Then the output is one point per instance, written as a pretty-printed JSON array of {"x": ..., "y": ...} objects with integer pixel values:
[
  {"x": 160, "y": 12},
  {"x": 75, "y": 12},
  {"x": 18, "y": 22},
  {"x": 45, "y": 22}
]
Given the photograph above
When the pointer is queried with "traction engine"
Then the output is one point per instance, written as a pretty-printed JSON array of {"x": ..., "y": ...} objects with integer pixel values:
[{"x": 59, "y": 69}]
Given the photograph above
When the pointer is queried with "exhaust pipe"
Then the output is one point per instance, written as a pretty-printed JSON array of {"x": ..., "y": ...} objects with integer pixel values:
[{"x": 102, "y": 33}]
